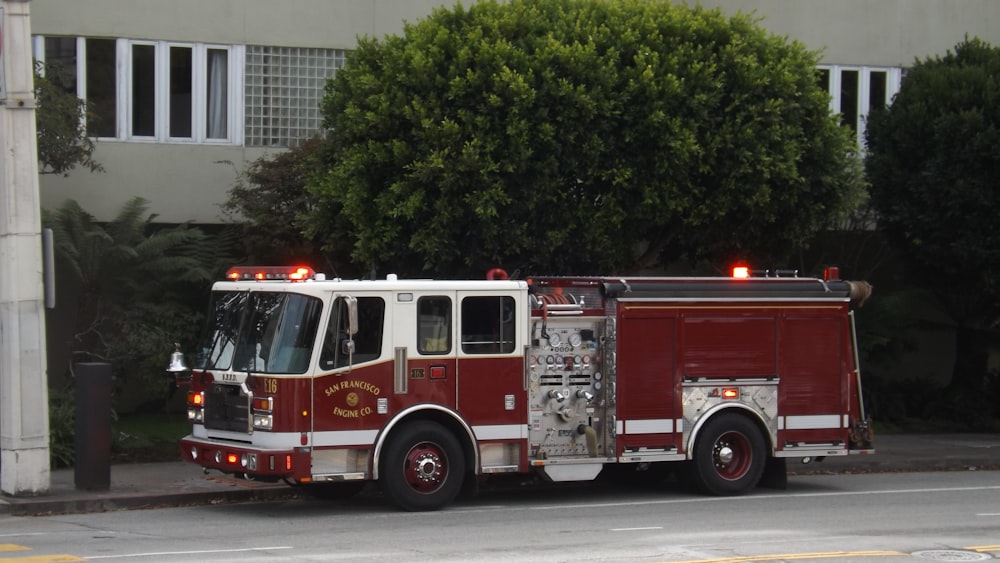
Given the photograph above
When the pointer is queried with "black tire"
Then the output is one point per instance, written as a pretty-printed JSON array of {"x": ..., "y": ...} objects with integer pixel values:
[
  {"x": 422, "y": 467},
  {"x": 333, "y": 491},
  {"x": 729, "y": 456}
]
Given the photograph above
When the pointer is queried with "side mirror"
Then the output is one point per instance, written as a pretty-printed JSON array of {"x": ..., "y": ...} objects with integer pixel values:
[{"x": 352, "y": 314}]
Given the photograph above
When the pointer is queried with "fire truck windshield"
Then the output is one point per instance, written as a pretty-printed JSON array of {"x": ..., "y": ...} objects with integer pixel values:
[{"x": 259, "y": 332}]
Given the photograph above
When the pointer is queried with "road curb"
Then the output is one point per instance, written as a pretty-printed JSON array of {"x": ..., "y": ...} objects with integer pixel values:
[{"x": 41, "y": 506}]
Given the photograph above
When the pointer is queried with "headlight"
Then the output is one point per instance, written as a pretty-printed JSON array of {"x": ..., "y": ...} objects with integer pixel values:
[{"x": 263, "y": 421}]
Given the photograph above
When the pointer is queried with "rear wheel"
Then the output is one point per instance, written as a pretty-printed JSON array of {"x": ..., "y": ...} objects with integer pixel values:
[
  {"x": 422, "y": 467},
  {"x": 729, "y": 456}
]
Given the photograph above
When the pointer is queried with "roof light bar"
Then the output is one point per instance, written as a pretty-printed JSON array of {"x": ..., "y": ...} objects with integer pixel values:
[{"x": 270, "y": 273}]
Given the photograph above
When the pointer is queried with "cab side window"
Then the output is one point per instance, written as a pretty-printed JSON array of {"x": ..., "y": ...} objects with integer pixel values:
[
  {"x": 367, "y": 341},
  {"x": 488, "y": 325},
  {"x": 434, "y": 325}
]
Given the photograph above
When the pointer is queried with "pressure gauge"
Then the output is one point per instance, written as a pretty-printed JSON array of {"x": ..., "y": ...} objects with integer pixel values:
[
  {"x": 554, "y": 339},
  {"x": 574, "y": 339}
]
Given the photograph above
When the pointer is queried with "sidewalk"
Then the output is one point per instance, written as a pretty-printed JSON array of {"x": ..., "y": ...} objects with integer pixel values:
[{"x": 156, "y": 485}]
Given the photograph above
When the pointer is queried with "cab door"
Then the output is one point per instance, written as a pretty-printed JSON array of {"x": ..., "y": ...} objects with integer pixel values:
[
  {"x": 491, "y": 393},
  {"x": 424, "y": 353}
]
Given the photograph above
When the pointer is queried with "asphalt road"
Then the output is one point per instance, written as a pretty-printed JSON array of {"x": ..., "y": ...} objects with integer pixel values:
[
  {"x": 829, "y": 517},
  {"x": 152, "y": 485}
]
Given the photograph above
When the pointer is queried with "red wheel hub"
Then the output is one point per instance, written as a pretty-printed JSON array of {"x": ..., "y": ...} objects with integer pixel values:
[
  {"x": 732, "y": 455},
  {"x": 425, "y": 467}
]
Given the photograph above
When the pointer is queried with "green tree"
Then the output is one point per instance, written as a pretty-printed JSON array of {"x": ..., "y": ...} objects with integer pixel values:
[
  {"x": 576, "y": 136},
  {"x": 269, "y": 206},
  {"x": 63, "y": 143},
  {"x": 934, "y": 163},
  {"x": 134, "y": 281}
]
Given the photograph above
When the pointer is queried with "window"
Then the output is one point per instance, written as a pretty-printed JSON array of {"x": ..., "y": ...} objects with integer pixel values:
[
  {"x": 259, "y": 332},
  {"x": 181, "y": 91},
  {"x": 61, "y": 62},
  {"x": 434, "y": 325},
  {"x": 849, "y": 99},
  {"x": 284, "y": 87},
  {"x": 877, "y": 90},
  {"x": 101, "y": 87},
  {"x": 855, "y": 91},
  {"x": 488, "y": 325},
  {"x": 367, "y": 341},
  {"x": 152, "y": 90},
  {"x": 217, "y": 80},
  {"x": 143, "y": 90}
]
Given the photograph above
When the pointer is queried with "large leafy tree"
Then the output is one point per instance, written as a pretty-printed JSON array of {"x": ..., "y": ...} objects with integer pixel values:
[
  {"x": 934, "y": 165},
  {"x": 269, "y": 206},
  {"x": 574, "y": 136}
]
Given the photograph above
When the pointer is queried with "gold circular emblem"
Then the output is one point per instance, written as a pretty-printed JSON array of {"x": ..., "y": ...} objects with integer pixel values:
[{"x": 352, "y": 399}]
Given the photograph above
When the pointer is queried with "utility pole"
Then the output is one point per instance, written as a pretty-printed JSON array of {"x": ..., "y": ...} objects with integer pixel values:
[{"x": 24, "y": 421}]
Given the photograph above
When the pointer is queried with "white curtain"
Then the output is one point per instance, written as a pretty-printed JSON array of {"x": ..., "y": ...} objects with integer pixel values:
[{"x": 218, "y": 94}]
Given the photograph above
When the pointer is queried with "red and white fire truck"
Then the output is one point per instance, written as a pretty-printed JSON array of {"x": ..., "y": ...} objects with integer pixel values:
[{"x": 424, "y": 385}]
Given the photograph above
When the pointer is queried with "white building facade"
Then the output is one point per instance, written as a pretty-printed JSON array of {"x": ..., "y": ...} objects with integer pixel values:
[{"x": 184, "y": 94}]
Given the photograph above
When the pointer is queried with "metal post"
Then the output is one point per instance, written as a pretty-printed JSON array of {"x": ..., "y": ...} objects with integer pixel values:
[{"x": 92, "y": 470}]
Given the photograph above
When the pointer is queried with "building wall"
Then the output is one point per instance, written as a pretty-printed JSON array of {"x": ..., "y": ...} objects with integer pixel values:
[
  {"x": 889, "y": 33},
  {"x": 301, "y": 23},
  {"x": 188, "y": 182}
]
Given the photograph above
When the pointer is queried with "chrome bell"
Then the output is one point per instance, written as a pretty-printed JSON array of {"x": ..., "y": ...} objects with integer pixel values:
[
  {"x": 177, "y": 369},
  {"x": 177, "y": 361}
]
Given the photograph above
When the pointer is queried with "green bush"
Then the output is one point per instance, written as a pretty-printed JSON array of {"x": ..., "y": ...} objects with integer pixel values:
[{"x": 62, "y": 425}]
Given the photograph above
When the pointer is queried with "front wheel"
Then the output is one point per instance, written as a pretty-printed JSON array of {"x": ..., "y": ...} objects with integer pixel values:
[
  {"x": 422, "y": 467},
  {"x": 729, "y": 456}
]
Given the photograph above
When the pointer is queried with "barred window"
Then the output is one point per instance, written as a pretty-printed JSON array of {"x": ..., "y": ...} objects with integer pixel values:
[{"x": 284, "y": 87}]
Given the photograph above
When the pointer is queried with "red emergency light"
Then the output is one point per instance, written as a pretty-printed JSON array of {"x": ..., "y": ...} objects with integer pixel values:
[
  {"x": 269, "y": 273},
  {"x": 741, "y": 272}
]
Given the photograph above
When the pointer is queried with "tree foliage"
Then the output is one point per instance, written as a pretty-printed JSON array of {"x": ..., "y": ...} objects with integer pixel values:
[
  {"x": 134, "y": 281},
  {"x": 63, "y": 143},
  {"x": 270, "y": 207},
  {"x": 933, "y": 162},
  {"x": 580, "y": 136}
]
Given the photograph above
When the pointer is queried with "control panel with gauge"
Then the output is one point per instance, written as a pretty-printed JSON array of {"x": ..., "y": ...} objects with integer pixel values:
[{"x": 568, "y": 394}]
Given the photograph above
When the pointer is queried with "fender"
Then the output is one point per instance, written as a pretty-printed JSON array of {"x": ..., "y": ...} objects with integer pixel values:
[
  {"x": 693, "y": 438},
  {"x": 404, "y": 414}
]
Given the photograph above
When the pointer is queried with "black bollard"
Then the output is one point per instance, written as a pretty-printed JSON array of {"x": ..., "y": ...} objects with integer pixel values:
[{"x": 92, "y": 470}]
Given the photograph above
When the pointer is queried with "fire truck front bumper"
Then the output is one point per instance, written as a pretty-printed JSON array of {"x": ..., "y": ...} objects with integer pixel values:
[{"x": 255, "y": 463}]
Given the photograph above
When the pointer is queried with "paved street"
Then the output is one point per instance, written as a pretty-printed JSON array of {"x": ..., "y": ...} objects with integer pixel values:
[{"x": 152, "y": 485}]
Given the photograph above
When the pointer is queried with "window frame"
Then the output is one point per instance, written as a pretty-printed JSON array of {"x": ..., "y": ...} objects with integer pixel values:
[
  {"x": 893, "y": 79},
  {"x": 124, "y": 103}
]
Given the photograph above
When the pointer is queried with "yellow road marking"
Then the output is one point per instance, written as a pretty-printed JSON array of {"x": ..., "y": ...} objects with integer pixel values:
[
  {"x": 44, "y": 559},
  {"x": 12, "y": 547},
  {"x": 786, "y": 556},
  {"x": 982, "y": 548}
]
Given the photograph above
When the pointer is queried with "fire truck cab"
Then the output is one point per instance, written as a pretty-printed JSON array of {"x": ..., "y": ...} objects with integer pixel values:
[{"x": 422, "y": 385}]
